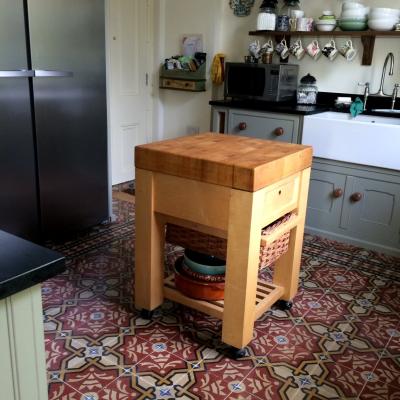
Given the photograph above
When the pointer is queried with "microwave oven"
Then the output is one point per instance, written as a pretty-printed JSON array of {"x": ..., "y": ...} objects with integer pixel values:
[{"x": 267, "y": 82}]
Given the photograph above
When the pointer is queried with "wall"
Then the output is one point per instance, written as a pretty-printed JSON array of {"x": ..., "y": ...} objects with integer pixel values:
[
  {"x": 185, "y": 112},
  {"x": 180, "y": 112}
]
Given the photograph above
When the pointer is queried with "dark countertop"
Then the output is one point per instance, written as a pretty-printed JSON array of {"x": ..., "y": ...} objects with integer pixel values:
[
  {"x": 325, "y": 102},
  {"x": 24, "y": 264},
  {"x": 283, "y": 108}
]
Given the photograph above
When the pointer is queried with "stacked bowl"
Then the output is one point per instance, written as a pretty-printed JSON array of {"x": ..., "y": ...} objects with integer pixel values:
[
  {"x": 326, "y": 22},
  {"x": 354, "y": 16},
  {"x": 200, "y": 276},
  {"x": 383, "y": 19}
]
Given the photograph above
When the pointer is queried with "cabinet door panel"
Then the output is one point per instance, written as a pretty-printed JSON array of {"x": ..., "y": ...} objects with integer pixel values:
[
  {"x": 323, "y": 207},
  {"x": 269, "y": 127},
  {"x": 376, "y": 216}
]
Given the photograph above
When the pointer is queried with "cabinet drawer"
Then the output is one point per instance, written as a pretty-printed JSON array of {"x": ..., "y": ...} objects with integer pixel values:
[
  {"x": 325, "y": 199},
  {"x": 179, "y": 84},
  {"x": 267, "y": 126}
]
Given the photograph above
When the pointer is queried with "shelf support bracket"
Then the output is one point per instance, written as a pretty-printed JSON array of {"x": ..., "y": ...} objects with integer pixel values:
[{"x": 369, "y": 44}]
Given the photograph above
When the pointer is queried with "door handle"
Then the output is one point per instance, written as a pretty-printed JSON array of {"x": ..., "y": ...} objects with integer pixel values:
[
  {"x": 44, "y": 73},
  {"x": 17, "y": 73}
]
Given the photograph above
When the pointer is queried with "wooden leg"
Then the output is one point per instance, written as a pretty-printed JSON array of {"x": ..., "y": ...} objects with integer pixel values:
[
  {"x": 149, "y": 246},
  {"x": 242, "y": 267},
  {"x": 287, "y": 268}
]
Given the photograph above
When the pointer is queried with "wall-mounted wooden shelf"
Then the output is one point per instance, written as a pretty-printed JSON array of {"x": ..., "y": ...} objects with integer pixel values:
[{"x": 367, "y": 38}]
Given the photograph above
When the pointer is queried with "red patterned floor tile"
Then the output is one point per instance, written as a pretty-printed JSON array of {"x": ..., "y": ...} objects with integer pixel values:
[
  {"x": 380, "y": 391},
  {"x": 94, "y": 318},
  {"x": 155, "y": 331},
  {"x": 160, "y": 362},
  {"x": 125, "y": 388},
  {"x": 262, "y": 384},
  {"x": 388, "y": 371},
  {"x": 304, "y": 300},
  {"x": 91, "y": 381},
  {"x": 59, "y": 390},
  {"x": 132, "y": 350},
  {"x": 377, "y": 328},
  {"x": 55, "y": 351},
  {"x": 328, "y": 276},
  {"x": 330, "y": 380},
  {"x": 57, "y": 289},
  {"x": 360, "y": 361},
  {"x": 295, "y": 347},
  {"x": 327, "y": 309}
]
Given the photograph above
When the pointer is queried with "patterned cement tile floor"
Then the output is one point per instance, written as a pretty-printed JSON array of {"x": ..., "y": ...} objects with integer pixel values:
[{"x": 341, "y": 340}]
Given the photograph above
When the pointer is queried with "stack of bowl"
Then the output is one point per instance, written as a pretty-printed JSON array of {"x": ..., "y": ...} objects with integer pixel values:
[
  {"x": 200, "y": 276},
  {"x": 354, "y": 16},
  {"x": 383, "y": 19},
  {"x": 326, "y": 22}
]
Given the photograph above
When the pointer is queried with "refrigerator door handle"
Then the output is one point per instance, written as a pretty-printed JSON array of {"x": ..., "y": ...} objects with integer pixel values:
[
  {"x": 44, "y": 73},
  {"x": 17, "y": 73}
]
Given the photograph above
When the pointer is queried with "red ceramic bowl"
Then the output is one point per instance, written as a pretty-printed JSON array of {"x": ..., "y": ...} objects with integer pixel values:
[{"x": 197, "y": 289}]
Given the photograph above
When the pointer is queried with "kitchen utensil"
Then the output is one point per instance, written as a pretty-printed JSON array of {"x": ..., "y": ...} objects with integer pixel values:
[
  {"x": 313, "y": 50},
  {"x": 330, "y": 51},
  {"x": 348, "y": 51}
]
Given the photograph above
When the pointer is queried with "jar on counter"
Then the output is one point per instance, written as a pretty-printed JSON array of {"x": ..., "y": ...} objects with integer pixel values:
[
  {"x": 307, "y": 91},
  {"x": 266, "y": 20}
]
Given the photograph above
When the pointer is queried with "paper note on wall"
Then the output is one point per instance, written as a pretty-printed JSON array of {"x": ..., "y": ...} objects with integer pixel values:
[{"x": 192, "y": 44}]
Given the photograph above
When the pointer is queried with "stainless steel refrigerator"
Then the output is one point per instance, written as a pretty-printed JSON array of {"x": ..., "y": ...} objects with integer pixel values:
[{"x": 53, "y": 124}]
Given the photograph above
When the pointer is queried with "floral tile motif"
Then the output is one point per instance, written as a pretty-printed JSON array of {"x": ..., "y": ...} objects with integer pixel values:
[
  {"x": 379, "y": 391},
  {"x": 340, "y": 340}
]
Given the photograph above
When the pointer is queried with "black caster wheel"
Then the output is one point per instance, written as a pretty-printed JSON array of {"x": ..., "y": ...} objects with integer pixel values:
[
  {"x": 235, "y": 353},
  {"x": 284, "y": 305},
  {"x": 146, "y": 314}
]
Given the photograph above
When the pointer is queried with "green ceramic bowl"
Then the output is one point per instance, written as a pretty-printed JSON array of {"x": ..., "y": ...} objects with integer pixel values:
[
  {"x": 203, "y": 263},
  {"x": 353, "y": 25}
]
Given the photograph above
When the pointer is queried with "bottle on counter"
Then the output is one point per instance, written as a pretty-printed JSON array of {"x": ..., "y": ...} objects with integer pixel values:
[
  {"x": 307, "y": 91},
  {"x": 286, "y": 14},
  {"x": 266, "y": 20}
]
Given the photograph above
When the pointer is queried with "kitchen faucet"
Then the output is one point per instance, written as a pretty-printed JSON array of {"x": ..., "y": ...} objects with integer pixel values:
[
  {"x": 391, "y": 58},
  {"x": 394, "y": 95},
  {"x": 366, "y": 93}
]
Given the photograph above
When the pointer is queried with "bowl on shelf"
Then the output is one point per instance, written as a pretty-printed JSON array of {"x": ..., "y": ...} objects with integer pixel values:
[
  {"x": 204, "y": 263},
  {"x": 324, "y": 27},
  {"x": 352, "y": 5},
  {"x": 382, "y": 24},
  {"x": 359, "y": 13},
  {"x": 380, "y": 12},
  {"x": 353, "y": 25},
  {"x": 196, "y": 289}
]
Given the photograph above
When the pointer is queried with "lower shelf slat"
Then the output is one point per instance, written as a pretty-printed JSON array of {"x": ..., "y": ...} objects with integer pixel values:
[{"x": 264, "y": 299}]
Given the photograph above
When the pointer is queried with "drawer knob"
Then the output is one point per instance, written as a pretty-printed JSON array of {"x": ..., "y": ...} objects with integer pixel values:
[
  {"x": 242, "y": 126},
  {"x": 356, "y": 197},
  {"x": 337, "y": 193},
  {"x": 279, "y": 132}
]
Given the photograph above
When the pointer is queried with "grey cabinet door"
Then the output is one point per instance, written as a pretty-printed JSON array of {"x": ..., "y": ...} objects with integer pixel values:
[
  {"x": 268, "y": 126},
  {"x": 375, "y": 214},
  {"x": 324, "y": 209}
]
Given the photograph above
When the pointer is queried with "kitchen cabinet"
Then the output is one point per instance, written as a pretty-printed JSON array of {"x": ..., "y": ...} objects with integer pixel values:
[
  {"x": 257, "y": 124},
  {"x": 356, "y": 204}
]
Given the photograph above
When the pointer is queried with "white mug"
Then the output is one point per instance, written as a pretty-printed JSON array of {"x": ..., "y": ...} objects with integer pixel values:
[
  {"x": 348, "y": 51},
  {"x": 313, "y": 50}
]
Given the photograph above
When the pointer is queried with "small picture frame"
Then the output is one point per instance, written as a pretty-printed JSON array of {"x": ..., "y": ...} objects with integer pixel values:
[{"x": 191, "y": 44}]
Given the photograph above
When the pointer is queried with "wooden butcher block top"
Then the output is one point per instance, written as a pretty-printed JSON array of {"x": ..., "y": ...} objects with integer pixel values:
[{"x": 228, "y": 160}]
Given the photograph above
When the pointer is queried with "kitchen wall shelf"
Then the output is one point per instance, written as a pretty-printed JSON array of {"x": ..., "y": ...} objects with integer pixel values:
[{"x": 367, "y": 38}]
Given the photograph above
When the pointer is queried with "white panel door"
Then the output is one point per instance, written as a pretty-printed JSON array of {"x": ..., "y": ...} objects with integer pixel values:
[{"x": 129, "y": 52}]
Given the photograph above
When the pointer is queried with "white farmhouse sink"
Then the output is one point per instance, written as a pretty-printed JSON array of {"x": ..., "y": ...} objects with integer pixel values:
[{"x": 364, "y": 140}]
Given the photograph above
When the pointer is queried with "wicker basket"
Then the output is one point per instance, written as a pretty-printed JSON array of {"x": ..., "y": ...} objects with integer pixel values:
[{"x": 203, "y": 243}]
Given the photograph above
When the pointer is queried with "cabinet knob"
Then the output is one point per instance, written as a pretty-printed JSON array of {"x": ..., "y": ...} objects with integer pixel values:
[
  {"x": 279, "y": 131},
  {"x": 337, "y": 193},
  {"x": 356, "y": 197},
  {"x": 242, "y": 126}
]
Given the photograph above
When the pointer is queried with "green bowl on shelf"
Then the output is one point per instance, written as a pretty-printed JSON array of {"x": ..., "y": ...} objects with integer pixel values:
[
  {"x": 203, "y": 263},
  {"x": 356, "y": 25}
]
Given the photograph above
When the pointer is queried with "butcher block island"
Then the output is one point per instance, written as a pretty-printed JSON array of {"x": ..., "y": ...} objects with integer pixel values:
[{"x": 229, "y": 187}]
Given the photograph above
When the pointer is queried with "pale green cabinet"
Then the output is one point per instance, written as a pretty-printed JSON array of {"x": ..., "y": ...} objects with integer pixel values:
[
  {"x": 22, "y": 360},
  {"x": 355, "y": 204},
  {"x": 257, "y": 124}
]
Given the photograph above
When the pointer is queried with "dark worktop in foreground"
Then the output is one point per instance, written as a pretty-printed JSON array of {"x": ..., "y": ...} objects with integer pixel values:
[{"x": 24, "y": 264}]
